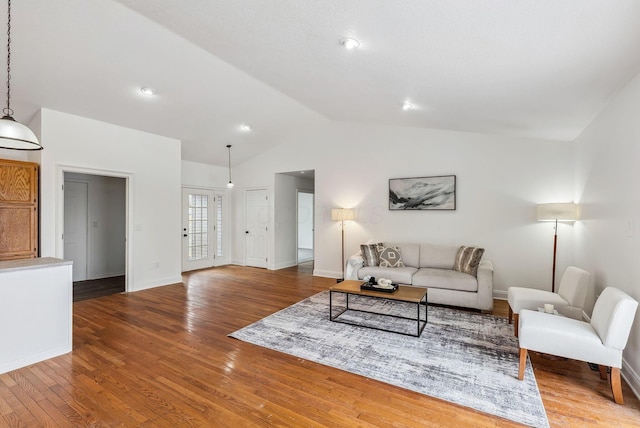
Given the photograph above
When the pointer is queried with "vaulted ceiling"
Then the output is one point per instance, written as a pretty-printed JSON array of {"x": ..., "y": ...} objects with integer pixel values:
[{"x": 531, "y": 68}]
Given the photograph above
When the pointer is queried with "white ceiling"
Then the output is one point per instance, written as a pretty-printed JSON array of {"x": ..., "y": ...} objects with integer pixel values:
[{"x": 532, "y": 68}]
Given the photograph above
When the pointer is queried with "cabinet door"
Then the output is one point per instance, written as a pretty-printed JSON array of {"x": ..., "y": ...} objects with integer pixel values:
[{"x": 18, "y": 210}]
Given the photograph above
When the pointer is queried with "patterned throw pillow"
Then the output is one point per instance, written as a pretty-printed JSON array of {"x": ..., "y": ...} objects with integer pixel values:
[
  {"x": 468, "y": 259},
  {"x": 390, "y": 257},
  {"x": 370, "y": 254}
]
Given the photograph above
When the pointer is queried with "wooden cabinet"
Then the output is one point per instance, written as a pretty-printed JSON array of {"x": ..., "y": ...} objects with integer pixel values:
[{"x": 18, "y": 210}]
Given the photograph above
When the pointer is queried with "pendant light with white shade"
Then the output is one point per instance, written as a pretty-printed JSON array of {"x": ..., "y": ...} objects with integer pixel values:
[{"x": 14, "y": 135}]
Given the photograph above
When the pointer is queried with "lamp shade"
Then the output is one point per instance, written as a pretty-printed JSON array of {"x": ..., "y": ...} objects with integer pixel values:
[
  {"x": 16, "y": 136},
  {"x": 341, "y": 214},
  {"x": 558, "y": 211}
]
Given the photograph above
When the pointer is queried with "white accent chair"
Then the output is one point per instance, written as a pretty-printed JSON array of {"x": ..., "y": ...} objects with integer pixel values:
[
  {"x": 568, "y": 301},
  {"x": 600, "y": 342}
]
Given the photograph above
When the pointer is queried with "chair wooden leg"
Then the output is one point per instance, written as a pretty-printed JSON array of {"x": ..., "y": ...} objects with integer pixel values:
[
  {"x": 523, "y": 363},
  {"x": 603, "y": 372},
  {"x": 515, "y": 324},
  {"x": 616, "y": 386},
  {"x": 510, "y": 314}
]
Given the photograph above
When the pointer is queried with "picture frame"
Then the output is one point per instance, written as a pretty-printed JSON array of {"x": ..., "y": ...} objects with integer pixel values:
[{"x": 423, "y": 193}]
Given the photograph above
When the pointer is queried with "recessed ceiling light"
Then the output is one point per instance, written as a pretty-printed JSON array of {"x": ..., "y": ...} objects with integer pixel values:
[
  {"x": 147, "y": 91},
  {"x": 302, "y": 172},
  {"x": 245, "y": 128},
  {"x": 349, "y": 42},
  {"x": 407, "y": 106}
]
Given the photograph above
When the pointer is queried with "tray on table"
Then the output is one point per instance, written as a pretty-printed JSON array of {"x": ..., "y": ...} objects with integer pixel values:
[{"x": 375, "y": 287}]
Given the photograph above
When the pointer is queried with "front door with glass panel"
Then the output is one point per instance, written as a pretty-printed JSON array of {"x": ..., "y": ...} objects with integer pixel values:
[{"x": 202, "y": 237}]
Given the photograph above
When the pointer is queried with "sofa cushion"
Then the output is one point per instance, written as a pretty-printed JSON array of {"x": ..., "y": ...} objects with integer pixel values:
[
  {"x": 397, "y": 275},
  {"x": 437, "y": 256},
  {"x": 410, "y": 253},
  {"x": 390, "y": 257},
  {"x": 444, "y": 278},
  {"x": 468, "y": 259},
  {"x": 370, "y": 254}
]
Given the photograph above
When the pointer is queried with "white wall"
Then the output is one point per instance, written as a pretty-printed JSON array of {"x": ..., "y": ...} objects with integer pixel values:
[
  {"x": 15, "y": 155},
  {"x": 608, "y": 236},
  {"x": 106, "y": 235},
  {"x": 150, "y": 163},
  {"x": 499, "y": 182},
  {"x": 200, "y": 175}
]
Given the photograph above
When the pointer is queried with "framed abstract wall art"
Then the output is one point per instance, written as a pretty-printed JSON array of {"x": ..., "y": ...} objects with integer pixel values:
[{"x": 423, "y": 193}]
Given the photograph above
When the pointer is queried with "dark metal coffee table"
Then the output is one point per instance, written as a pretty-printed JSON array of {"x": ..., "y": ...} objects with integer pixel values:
[{"x": 404, "y": 293}]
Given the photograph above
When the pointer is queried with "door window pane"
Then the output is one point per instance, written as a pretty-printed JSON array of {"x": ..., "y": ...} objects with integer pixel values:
[
  {"x": 218, "y": 208},
  {"x": 198, "y": 227}
]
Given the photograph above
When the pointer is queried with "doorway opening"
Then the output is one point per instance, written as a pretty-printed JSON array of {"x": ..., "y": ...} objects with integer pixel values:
[
  {"x": 294, "y": 210},
  {"x": 94, "y": 233},
  {"x": 305, "y": 214}
]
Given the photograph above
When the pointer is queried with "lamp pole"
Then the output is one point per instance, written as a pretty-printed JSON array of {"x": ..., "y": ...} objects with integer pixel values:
[
  {"x": 556, "y": 212},
  {"x": 342, "y": 214},
  {"x": 342, "y": 253}
]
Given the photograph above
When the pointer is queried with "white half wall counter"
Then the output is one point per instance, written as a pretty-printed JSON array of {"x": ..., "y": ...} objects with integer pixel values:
[{"x": 35, "y": 311}]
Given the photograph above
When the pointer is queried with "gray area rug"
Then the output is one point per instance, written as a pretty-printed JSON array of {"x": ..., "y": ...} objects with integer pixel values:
[{"x": 463, "y": 357}]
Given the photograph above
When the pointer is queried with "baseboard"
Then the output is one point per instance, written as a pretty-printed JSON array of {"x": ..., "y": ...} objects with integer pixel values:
[
  {"x": 32, "y": 359},
  {"x": 106, "y": 275},
  {"x": 284, "y": 265},
  {"x": 327, "y": 273},
  {"x": 500, "y": 294},
  {"x": 158, "y": 282},
  {"x": 631, "y": 377},
  {"x": 290, "y": 263},
  {"x": 305, "y": 259}
]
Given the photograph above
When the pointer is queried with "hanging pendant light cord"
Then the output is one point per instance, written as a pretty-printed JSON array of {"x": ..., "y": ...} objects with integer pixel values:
[
  {"x": 7, "y": 110},
  {"x": 14, "y": 135},
  {"x": 229, "y": 146}
]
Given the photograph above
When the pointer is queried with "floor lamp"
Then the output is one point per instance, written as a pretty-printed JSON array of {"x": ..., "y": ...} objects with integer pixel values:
[
  {"x": 557, "y": 212},
  {"x": 342, "y": 215}
]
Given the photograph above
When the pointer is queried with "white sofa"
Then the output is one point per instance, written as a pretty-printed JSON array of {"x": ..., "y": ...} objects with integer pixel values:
[{"x": 431, "y": 266}]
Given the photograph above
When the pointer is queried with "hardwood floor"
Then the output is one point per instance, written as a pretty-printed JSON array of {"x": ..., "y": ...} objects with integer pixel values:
[
  {"x": 162, "y": 358},
  {"x": 92, "y": 288}
]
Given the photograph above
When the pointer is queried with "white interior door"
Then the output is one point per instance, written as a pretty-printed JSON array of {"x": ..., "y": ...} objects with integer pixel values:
[
  {"x": 76, "y": 197},
  {"x": 257, "y": 227},
  {"x": 198, "y": 229}
]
